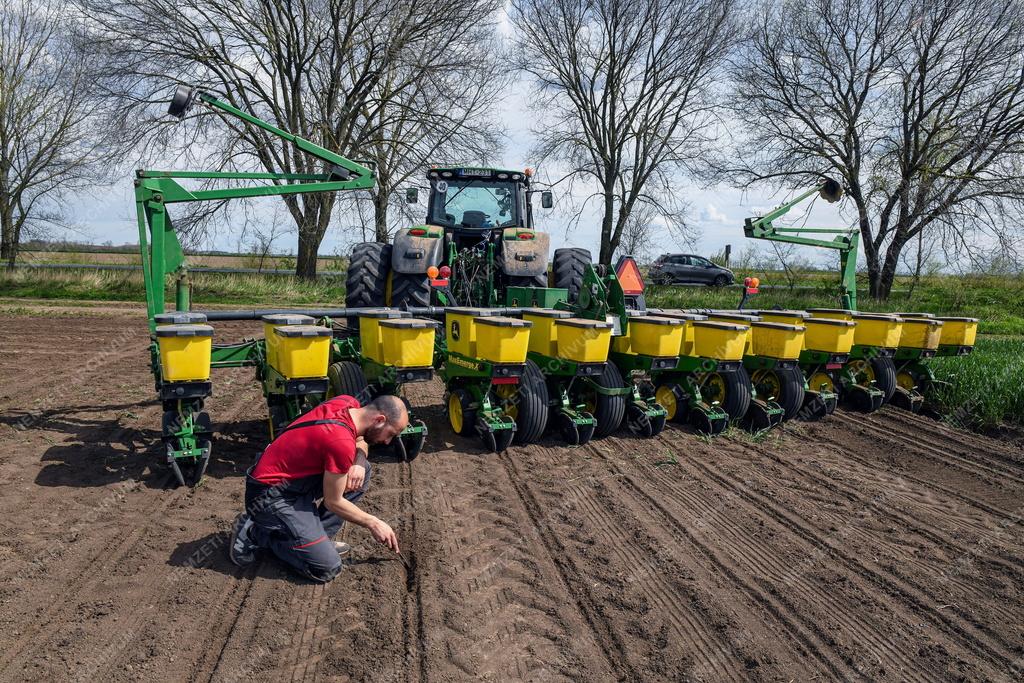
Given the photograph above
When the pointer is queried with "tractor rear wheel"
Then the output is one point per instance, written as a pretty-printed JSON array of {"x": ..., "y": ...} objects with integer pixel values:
[
  {"x": 608, "y": 411},
  {"x": 346, "y": 378},
  {"x": 526, "y": 403},
  {"x": 409, "y": 290},
  {"x": 567, "y": 270},
  {"x": 367, "y": 279}
]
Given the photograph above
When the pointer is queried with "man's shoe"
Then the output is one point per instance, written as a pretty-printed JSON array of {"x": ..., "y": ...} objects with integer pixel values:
[
  {"x": 241, "y": 549},
  {"x": 343, "y": 548}
]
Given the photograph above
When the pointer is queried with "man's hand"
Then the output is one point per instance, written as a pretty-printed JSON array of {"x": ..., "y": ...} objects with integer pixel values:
[
  {"x": 356, "y": 477},
  {"x": 384, "y": 534}
]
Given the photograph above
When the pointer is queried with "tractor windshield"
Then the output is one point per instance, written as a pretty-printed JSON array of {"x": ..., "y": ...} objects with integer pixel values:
[{"x": 474, "y": 203}]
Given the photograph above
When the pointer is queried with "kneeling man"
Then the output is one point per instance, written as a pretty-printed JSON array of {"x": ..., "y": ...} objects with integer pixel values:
[{"x": 322, "y": 455}]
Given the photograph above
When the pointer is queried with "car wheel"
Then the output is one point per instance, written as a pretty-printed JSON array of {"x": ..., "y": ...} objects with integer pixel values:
[{"x": 721, "y": 281}]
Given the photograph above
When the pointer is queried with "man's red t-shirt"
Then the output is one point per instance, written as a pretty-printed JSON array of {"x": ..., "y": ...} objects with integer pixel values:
[{"x": 310, "y": 451}]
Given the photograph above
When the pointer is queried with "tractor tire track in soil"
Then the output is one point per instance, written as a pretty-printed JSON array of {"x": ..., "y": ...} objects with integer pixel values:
[{"x": 873, "y": 547}]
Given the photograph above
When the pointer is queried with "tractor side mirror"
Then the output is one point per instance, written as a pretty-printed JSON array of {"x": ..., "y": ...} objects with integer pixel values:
[
  {"x": 412, "y": 195},
  {"x": 547, "y": 200}
]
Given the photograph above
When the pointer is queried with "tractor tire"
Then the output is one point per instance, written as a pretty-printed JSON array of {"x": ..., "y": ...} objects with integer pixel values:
[
  {"x": 346, "y": 378},
  {"x": 366, "y": 282},
  {"x": 608, "y": 411},
  {"x": 880, "y": 369},
  {"x": 567, "y": 271},
  {"x": 786, "y": 385},
  {"x": 526, "y": 403},
  {"x": 409, "y": 290},
  {"x": 733, "y": 391},
  {"x": 885, "y": 376},
  {"x": 528, "y": 280},
  {"x": 461, "y": 417}
]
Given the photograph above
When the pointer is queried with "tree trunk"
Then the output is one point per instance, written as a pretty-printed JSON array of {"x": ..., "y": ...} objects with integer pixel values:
[
  {"x": 607, "y": 222},
  {"x": 305, "y": 264},
  {"x": 8, "y": 249},
  {"x": 888, "y": 272},
  {"x": 312, "y": 223},
  {"x": 380, "y": 215}
]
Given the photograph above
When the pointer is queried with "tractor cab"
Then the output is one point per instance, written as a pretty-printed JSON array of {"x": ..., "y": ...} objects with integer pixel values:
[
  {"x": 479, "y": 228},
  {"x": 468, "y": 203}
]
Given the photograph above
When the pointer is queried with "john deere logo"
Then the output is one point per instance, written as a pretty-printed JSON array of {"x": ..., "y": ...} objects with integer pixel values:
[{"x": 455, "y": 330}]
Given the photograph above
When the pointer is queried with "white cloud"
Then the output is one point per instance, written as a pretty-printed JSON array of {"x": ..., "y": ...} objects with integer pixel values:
[{"x": 711, "y": 214}]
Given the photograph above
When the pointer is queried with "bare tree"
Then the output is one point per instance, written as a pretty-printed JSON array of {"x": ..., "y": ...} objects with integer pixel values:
[
  {"x": 917, "y": 107},
  {"x": 51, "y": 136},
  {"x": 625, "y": 87},
  {"x": 638, "y": 233},
  {"x": 313, "y": 67},
  {"x": 435, "y": 110}
]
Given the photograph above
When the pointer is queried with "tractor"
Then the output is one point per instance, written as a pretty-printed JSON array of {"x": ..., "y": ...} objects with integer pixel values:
[{"x": 479, "y": 236}]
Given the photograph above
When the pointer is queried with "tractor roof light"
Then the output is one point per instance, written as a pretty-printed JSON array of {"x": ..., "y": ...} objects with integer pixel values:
[
  {"x": 444, "y": 272},
  {"x": 528, "y": 172},
  {"x": 432, "y": 272},
  {"x": 628, "y": 274}
]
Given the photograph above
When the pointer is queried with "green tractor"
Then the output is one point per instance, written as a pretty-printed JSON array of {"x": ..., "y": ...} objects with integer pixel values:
[{"x": 480, "y": 236}]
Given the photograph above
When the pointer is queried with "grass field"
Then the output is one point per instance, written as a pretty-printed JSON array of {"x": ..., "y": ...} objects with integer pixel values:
[{"x": 983, "y": 389}]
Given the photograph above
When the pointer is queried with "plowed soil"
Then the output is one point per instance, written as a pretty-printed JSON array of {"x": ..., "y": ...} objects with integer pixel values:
[{"x": 884, "y": 547}]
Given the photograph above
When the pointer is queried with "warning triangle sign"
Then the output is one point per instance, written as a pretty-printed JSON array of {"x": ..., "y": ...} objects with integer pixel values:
[{"x": 630, "y": 280}]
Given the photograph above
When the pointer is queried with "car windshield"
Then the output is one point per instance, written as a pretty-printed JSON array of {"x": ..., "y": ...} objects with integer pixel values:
[{"x": 474, "y": 203}]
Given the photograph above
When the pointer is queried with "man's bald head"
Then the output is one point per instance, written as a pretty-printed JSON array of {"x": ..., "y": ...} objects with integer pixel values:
[{"x": 395, "y": 418}]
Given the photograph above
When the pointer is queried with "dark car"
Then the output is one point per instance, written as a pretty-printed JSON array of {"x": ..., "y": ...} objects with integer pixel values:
[{"x": 689, "y": 268}]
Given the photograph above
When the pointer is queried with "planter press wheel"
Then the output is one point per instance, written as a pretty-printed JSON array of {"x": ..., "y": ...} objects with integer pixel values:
[
  {"x": 497, "y": 440},
  {"x": 406, "y": 449},
  {"x": 703, "y": 424},
  {"x": 572, "y": 433}
]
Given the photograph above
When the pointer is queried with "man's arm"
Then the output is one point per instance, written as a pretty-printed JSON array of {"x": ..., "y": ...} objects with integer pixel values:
[
  {"x": 334, "y": 499},
  {"x": 357, "y": 473}
]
